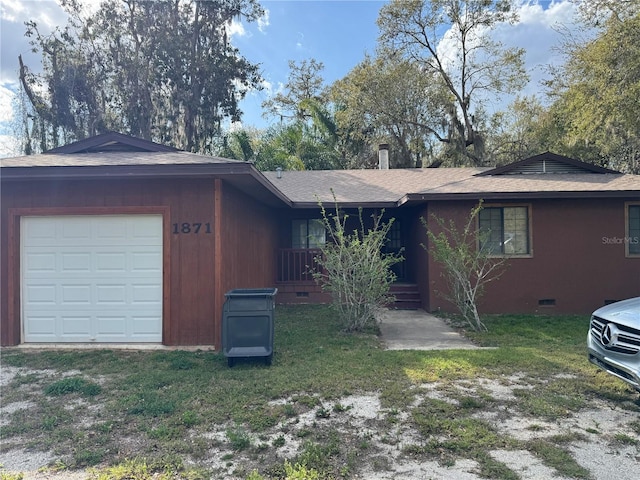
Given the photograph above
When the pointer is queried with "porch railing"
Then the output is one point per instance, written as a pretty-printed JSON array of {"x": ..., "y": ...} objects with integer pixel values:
[{"x": 295, "y": 265}]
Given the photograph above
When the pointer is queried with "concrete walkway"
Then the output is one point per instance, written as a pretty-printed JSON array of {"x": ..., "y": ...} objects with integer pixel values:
[{"x": 419, "y": 330}]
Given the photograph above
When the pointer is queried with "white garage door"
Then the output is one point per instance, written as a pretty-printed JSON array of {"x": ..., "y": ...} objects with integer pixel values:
[{"x": 92, "y": 278}]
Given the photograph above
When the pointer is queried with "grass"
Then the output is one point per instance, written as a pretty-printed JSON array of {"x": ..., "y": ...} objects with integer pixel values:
[
  {"x": 153, "y": 410},
  {"x": 73, "y": 385}
]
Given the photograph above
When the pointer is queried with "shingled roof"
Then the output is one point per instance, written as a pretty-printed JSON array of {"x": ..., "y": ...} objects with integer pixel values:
[
  {"x": 389, "y": 188},
  {"x": 113, "y": 158},
  {"x": 112, "y": 149},
  {"x": 112, "y": 142},
  {"x": 114, "y": 155}
]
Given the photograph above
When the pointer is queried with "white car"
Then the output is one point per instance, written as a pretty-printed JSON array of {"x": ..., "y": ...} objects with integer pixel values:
[{"x": 614, "y": 340}]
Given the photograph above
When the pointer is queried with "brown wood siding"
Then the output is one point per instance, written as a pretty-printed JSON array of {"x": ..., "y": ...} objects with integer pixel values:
[
  {"x": 189, "y": 295},
  {"x": 191, "y": 319},
  {"x": 248, "y": 239},
  {"x": 573, "y": 267}
]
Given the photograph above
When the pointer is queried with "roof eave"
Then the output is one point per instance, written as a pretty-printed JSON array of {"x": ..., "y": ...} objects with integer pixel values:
[
  {"x": 414, "y": 198},
  {"x": 226, "y": 171},
  {"x": 344, "y": 204}
]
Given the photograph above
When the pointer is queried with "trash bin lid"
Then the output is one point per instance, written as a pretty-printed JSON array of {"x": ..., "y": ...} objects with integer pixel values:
[{"x": 251, "y": 292}]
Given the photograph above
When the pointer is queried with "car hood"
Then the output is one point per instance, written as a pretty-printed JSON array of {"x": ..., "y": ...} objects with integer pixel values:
[{"x": 626, "y": 312}]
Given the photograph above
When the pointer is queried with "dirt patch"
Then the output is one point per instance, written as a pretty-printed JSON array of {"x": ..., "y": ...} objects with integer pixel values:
[{"x": 376, "y": 443}]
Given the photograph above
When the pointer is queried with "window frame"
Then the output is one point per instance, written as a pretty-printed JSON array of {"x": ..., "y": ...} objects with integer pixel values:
[
  {"x": 394, "y": 240},
  {"x": 502, "y": 206},
  {"x": 308, "y": 222},
  {"x": 627, "y": 231}
]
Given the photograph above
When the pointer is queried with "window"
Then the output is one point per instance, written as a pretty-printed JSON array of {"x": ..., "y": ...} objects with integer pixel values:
[
  {"x": 307, "y": 233},
  {"x": 505, "y": 230},
  {"x": 394, "y": 236},
  {"x": 633, "y": 230}
]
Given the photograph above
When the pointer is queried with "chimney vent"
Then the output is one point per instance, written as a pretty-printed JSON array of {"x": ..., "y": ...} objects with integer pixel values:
[{"x": 383, "y": 156}]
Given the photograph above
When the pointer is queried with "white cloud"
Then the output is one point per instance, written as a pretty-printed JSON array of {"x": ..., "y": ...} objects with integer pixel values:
[
  {"x": 8, "y": 143},
  {"x": 539, "y": 31},
  {"x": 537, "y": 28},
  {"x": 8, "y": 146},
  {"x": 280, "y": 89},
  {"x": 264, "y": 22},
  {"x": 236, "y": 29},
  {"x": 11, "y": 10},
  {"x": 267, "y": 87},
  {"x": 6, "y": 98}
]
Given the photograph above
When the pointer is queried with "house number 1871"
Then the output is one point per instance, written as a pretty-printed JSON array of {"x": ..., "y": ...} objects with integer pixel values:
[{"x": 191, "y": 228}]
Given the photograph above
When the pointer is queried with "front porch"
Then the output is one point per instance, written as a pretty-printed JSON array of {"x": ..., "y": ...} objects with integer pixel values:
[
  {"x": 294, "y": 276},
  {"x": 295, "y": 282}
]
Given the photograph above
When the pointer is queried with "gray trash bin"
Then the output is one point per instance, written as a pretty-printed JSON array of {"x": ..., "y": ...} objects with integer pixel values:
[{"x": 247, "y": 323}]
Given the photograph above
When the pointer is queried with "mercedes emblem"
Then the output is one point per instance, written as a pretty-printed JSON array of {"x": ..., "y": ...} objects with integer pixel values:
[{"x": 609, "y": 335}]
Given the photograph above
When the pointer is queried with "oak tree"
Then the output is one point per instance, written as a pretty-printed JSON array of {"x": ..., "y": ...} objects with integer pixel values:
[
  {"x": 596, "y": 97},
  {"x": 390, "y": 100},
  {"x": 450, "y": 39},
  {"x": 162, "y": 70}
]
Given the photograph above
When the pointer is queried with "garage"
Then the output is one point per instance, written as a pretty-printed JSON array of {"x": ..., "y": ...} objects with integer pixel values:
[{"x": 91, "y": 278}]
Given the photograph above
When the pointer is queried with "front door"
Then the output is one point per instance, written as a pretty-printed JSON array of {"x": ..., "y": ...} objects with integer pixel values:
[{"x": 395, "y": 246}]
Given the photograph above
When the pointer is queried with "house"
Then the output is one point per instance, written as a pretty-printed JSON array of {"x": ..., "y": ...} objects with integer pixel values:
[{"x": 118, "y": 240}]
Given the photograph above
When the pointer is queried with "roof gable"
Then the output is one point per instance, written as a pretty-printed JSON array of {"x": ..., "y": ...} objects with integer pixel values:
[
  {"x": 545, "y": 164},
  {"x": 112, "y": 142}
]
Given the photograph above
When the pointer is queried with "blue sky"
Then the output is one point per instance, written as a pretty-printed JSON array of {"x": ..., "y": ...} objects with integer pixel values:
[{"x": 337, "y": 33}]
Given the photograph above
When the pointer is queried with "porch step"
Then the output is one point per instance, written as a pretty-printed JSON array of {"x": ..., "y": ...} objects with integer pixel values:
[{"x": 407, "y": 296}]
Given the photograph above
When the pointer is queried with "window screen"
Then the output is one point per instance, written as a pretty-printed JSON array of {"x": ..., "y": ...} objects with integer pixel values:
[
  {"x": 307, "y": 233},
  {"x": 505, "y": 230}
]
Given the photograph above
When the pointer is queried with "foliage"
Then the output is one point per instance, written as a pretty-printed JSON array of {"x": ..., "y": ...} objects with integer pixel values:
[
  {"x": 141, "y": 470},
  {"x": 354, "y": 269},
  {"x": 73, "y": 385},
  {"x": 10, "y": 476},
  {"x": 304, "y": 83},
  {"x": 545, "y": 354},
  {"x": 161, "y": 70},
  {"x": 291, "y": 472},
  {"x": 300, "y": 472},
  {"x": 517, "y": 133},
  {"x": 390, "y": 100},
  {"x": 278, "y": 148},
  {"x": 295, "y": 146},
  {"x": 596, "y": 96},
  {"x": 468, "y": 264},
  {"x": 239, "y": 144},
  {"x": 239, "y": 438},
  {"x": 473, "y": 69},
  {"x": 306, "y": 136},
  {"x": 594, "y": 12}
]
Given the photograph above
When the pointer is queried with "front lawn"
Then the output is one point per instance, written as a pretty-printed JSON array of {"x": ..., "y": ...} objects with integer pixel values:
[{"x": 188, "y": 415}]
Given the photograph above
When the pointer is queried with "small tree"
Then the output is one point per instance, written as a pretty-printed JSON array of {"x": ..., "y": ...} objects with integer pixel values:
[
  {"x": 354, "y": 269},
  {"x": 468, "y": 263}
]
